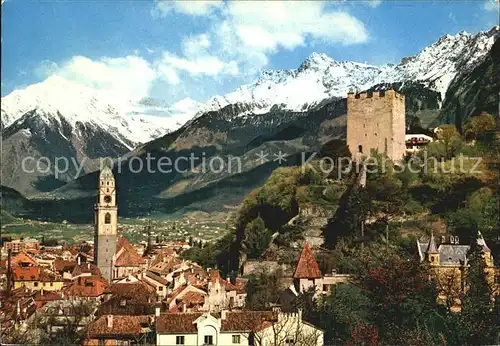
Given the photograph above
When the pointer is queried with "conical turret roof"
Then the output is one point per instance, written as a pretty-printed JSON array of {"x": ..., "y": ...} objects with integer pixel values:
[
  {"x": 480, "y": 240},
  {"x": 307, "y": 268},
  {"x": 432, "y": 248}
]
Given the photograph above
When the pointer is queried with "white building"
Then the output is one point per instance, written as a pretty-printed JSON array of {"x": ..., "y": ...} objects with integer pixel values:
[
  {"x": 259, "y": 328},
  {"x": 416, "y": 142}
]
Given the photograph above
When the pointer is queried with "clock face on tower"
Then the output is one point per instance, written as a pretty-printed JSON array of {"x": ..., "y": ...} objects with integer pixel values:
[{"x": 107, "y": 199}]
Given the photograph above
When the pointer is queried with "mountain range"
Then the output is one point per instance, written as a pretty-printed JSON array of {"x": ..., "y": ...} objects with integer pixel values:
[{"x": 292, "y": 111}]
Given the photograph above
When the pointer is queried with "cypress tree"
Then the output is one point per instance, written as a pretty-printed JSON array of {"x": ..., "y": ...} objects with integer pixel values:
[{"x": 477, "y": 305}]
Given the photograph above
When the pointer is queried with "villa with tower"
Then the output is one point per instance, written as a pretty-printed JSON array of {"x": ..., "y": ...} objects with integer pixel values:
[{"x": 448, "y": 263}]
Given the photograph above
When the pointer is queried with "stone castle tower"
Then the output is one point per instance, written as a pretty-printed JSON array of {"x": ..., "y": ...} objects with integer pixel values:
[
  {"x": 106, "y": 224},
  {"x": 376, "y": 121}
]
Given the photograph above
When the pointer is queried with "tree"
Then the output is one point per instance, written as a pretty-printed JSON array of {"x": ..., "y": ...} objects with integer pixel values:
[
  {"x": 479, "y": 124},
  {"x": 401, "y": 293},
  {"x": 263, "y": 288},
  {"x": 342, "y": 311},
  {"x": 57, "y": 323},
  {"x": 477, "y": 305},
  {"x": 353, "y": 208},
  {"x": 288, "y": 329},
  {"x": 451, "y": 139},
  {"x": 257, "y": 238}
]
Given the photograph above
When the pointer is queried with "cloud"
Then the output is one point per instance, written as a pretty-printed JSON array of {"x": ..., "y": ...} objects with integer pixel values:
[
  {"x": 275, "y": 24},
  {"x": 128, "y": 78},
  {"x": 188, "y": 7},
  {"x": 491, "y": 5},
  {"x": 234, "y": 46},
  {"x": 199, "y": 65},
  {"x": 241, "y": 35},
  {"x": 452, "y": 18}
]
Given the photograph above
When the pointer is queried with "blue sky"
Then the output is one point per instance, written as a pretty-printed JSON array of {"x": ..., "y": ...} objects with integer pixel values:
[{"x": 173, "y": 50}]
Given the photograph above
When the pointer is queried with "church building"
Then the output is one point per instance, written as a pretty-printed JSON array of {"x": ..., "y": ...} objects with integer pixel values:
[{"x": 106, "y": 224}]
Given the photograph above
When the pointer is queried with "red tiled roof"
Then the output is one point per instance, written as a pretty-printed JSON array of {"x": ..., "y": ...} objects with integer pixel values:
[
  {"x": 239, "y": 321},
  {"x": 127, "y": 254},
  {"x": 63, "y": 265},
  {"x": 177, "y": 322},
  {"x": 48, "y": 276},
  {"x": 241, "y": 285},
  {"x": 156, "y": 278},
  {"x": 193, "y": 298},
  {"x": 26, "y": 274},
  {"x": 23, "y": 258},
  {"x": 307, "y": 268},
  {"x": 85, "y": 268},
  {"x": 123, "y": 326},
  {"x": 43, "y": 297},
  {"x": 135, "y": 290},
  {"x": 89, "y": 286},
  {"x": 177, "y": 291}
]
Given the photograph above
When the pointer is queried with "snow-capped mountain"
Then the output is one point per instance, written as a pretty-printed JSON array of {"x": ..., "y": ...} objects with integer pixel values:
[
  {"x": 57, "y": 99},
  {"x": 320, "y": 77},
  {"x": 300, "y": 109}
]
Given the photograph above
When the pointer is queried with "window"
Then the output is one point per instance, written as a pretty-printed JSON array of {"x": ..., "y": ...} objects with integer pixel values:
[
  {"x": 289, "y": 342},
  {"x": 107, "y": 218},
  {"x": 35, "y": 284},
  {"x": 179, "y": 340},
  {"x": 236, "y": 339},
  {"x": 209, "y": 340},
  {"x": 360, "y": 148},
  {"x": 160, "y": 288}
]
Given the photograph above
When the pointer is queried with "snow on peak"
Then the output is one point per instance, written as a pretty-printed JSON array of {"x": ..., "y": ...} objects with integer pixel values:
[
  {"x": 320, "y": 77},
  {"x": 57, "y": 97}
]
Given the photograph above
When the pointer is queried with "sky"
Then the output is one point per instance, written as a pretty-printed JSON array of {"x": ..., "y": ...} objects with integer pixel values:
[{"x": 173, "y": 50}]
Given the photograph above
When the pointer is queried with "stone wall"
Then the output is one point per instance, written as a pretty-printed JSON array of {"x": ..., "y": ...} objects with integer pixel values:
[{"x": 376, "y": 121}]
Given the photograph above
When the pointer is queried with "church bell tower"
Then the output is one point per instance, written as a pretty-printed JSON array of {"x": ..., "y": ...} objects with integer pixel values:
[{"x": 106, "y": 223}]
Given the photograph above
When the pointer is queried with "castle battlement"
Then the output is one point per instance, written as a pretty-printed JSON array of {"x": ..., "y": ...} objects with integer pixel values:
[{"x": 375, "y": 94}]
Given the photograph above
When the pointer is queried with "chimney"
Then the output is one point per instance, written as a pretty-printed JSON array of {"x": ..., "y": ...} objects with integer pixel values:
[
  {"x": 79, "y": 260},
  {"x": 157, "y": 310},
  {"x": 109, "y": 320},
  {"x": 223, "y": 314}
]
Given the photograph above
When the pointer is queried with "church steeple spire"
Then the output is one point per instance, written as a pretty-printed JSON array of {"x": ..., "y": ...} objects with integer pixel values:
[
  {"x": 106, "y": 223},
  {"x": 432, "y": 251}
]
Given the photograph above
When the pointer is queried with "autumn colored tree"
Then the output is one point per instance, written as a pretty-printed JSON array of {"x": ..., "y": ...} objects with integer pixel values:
[
  {"x": 400, "y": 291},
  {"x": 479, "y": 124},
  {"x": 364, "y": 334}
]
